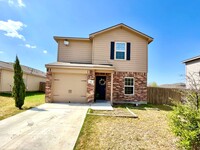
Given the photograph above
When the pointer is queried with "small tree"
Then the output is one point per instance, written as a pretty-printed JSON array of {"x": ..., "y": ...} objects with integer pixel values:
[
  {"x": 153, "y": 84},
  {"x": 186, "y": 116},
  {"x": 18, "y": 91}
]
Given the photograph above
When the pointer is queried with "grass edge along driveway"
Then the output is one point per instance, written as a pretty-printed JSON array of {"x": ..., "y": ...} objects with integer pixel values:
[{"x": 7, "y": 103}]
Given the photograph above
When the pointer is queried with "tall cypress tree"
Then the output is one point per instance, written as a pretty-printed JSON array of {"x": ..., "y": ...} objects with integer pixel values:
[{"x": 18, "y": 91}]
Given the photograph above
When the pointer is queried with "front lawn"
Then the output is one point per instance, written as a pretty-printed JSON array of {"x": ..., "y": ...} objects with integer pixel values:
[
  {"x": 7, "y": 103},
  {"x": 149, "y": 131}
]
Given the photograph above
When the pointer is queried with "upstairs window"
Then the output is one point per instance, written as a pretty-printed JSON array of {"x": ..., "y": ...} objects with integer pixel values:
[
  {"x": 120, "y": 50},
  {"x": 129, "y": 85}
]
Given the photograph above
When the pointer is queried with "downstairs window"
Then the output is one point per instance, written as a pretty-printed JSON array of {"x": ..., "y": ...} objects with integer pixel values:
[{"x": 129, "y": 86}]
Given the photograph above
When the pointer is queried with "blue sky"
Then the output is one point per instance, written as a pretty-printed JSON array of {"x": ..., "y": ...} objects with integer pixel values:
[{"x": 27, "y": 29}]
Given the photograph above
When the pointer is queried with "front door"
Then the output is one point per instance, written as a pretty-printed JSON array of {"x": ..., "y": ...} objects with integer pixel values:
[{"x": 100, "y": 92}]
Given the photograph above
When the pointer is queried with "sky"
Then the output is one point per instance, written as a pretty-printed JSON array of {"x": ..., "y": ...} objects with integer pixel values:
[{"x": 27, "y": 28}]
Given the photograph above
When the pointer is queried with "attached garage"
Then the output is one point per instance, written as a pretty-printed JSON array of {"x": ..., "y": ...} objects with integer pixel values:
[
  {"x": 69, "y": 87},
  {"x": 73, "y": 82}
]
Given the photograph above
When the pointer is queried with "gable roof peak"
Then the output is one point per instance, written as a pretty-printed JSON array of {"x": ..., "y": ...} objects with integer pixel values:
[{"x": 150, "y": 39}]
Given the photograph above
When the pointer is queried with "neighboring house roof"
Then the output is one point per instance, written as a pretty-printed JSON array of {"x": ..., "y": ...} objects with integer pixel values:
[
  {"x": 175, "y": 85},
  {"x": 191, "y": 59},
  {"x": 150, "y": 39},
  {"x": 27, "y": 70},
  {"x": 79, "y": 66}
]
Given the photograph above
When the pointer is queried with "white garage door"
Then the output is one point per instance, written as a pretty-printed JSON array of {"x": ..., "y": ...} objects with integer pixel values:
[{"x": 69, "y": 88}]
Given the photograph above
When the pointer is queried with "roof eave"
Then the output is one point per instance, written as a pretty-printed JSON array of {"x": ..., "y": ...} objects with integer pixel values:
[
  {"x": 56, "y": 38},
  {"x": 80, "y": 67},
  {"x": 191, "y": 59}
]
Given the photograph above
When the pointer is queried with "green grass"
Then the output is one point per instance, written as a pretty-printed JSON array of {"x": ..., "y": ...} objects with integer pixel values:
[
  {"x": 7, "y": 103},
  {"x": 150, "y": 131}
]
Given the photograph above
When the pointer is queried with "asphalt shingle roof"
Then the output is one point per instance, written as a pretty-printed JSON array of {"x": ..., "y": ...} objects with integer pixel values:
[{"x": 28, "y": 70}]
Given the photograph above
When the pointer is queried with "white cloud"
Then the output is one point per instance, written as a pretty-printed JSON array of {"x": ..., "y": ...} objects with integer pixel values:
[
  {"x": 30, "y": 46},
  {"x": 18, "y": 3},
  {"x": 11, "y": 28},
  {"x": 45, "y": 51},
  {"x": 1, "y": 52},
  {"x": 11, "y": 2}
]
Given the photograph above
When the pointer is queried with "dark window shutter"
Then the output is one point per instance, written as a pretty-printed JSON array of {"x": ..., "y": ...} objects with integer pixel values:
[
  {"x": 112, "y": 50},
  {"x": 128, "y": 51}
]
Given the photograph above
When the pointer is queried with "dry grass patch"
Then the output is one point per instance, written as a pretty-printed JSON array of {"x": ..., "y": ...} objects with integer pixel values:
[
  {"x": 7, "y": 103},
  {"x": 149, "y": 131}
]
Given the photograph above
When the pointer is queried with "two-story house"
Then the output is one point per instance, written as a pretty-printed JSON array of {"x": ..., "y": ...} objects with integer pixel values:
[{"x": 111, "y": 64}]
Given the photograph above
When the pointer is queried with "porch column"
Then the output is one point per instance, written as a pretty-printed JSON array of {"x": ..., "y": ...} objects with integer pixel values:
[
  {"x": 111, "y": 89},
  {"x": 90, "y": 85},
  {"x": 48, "y": 87}
]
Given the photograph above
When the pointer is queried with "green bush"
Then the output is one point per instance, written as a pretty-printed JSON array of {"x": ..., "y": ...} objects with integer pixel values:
[{"x": 185, "y": 121}]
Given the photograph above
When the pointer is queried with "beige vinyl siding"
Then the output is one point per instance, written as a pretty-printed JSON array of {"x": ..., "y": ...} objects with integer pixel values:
[
  {"x": 6, "y": 81},
  {"x": 101, "y": 50},
  {"x": 31, "y": 81},
  {"x": 74, "y": 71},
  {"x": 192, "y": 71},
  {"x": 76, "y": 51}
]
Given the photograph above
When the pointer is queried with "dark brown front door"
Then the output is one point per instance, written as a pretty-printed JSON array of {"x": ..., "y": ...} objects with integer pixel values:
[{"x": 100, "y": 90}]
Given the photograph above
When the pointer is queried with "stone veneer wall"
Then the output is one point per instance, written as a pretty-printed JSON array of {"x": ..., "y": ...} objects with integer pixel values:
[
  {"x": 140, "y": 91},
  {"x": 48, "y": 88},
  {"x": 90, "y": 86}
]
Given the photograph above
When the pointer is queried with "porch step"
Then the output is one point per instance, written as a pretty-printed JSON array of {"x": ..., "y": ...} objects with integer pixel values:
[{"x": 101, "y": 105}]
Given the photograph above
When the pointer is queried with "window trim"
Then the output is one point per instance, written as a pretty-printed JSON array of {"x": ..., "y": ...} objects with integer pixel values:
[
  {"x": 129, "y": 86},
  {"x": 120, "y": 51}
]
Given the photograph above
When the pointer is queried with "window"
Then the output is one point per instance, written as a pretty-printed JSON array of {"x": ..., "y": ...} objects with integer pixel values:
[
  {"x": 120, "y": 50},
  {"x": 129, "y": 85}
]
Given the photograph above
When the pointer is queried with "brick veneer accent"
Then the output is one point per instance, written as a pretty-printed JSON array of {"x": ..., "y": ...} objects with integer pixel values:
[
  {"x": 140, "y": 91},
  {"x": 48, "y": 88},
  {"x": 108, "y": 86},
  {"x": 90, "y": 86}
]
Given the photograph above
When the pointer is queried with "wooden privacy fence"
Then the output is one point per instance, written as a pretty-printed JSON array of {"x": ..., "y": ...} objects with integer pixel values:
[
  {"x": 42, "y": 87},
  {"x": 157, "y": 95}
]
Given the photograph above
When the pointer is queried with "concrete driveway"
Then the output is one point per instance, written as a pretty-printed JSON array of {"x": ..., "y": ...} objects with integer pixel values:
[{"x": 47, "y": 127}]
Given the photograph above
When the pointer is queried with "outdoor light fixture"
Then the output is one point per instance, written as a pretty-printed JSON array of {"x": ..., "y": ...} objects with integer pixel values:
[{"x": 66, "y": 42}]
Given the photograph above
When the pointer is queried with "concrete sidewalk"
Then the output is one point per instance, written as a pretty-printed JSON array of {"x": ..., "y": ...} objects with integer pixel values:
[
  {"x": 47, "y": 127},
  {"x": 101, "y": 105}
]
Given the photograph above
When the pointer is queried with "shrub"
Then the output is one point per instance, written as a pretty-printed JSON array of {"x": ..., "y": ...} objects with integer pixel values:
[
  {"x": 18, "y": 91},
  {"x": 186, "y": 125}
]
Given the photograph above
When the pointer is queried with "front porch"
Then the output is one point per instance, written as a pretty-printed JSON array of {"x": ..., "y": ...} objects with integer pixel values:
[{"x": 100, "y": 86}]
